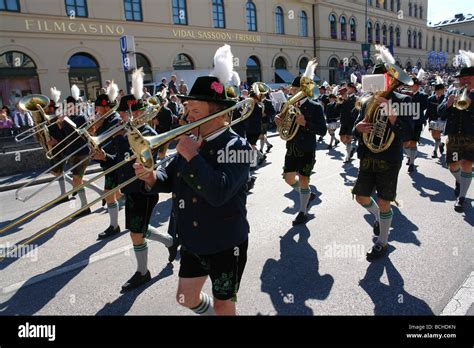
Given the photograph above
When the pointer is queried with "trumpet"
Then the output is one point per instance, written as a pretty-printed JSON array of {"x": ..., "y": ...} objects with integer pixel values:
[
  {"x": 247, "y": 106},
  {"x": 461, "y": 101}
]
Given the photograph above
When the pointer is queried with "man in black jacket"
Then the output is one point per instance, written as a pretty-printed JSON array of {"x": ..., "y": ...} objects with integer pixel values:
[
  {"x": 348, "y": 114},
  {"x": 301, "y": 150},
  {"x": 379, "y": 171},
  {"x": 433, "y": 116}
]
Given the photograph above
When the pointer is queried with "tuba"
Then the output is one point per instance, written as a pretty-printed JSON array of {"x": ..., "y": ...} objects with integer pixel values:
[
  {"x": 35, "y": 104},
  {"x": 381, "y": 137},
  {"x": 288, "y": 126}
]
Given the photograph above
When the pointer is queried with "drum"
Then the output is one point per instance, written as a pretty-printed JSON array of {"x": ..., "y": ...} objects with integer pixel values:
[
  {"x": 334, "y": 125},
  {"x": 438, "y": 125}
]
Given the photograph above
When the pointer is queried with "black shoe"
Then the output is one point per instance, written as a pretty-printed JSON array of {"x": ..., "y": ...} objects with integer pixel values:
[
  {"x": 408, "y": 162},
  {"x": 300, "y": 219},
  {"x": 377, "y": 251},
  {"x": 137, "y": 280},
  {"x": 434, "y": 155},
  {"x": 411, "y": 168},
  {"x": 337, "y": 143},
  {"x": 103, "y": 202},
  {"x": 376, "y": 228},
  {"x": 110, "y": 231},
  {"x": 84, "y": 213},
  {"x": 251, "y": 183},
  {"x": 329, "y": 147},
  {"x": 352, "y": 152},
  {"x": 441, "y": 148},
  {"x": 320, "y": 139},
  {"x": 64, "y": 200},
  {"x": 459, "y": 205},
  {"x": 312, "y": 197},
  {"x": 74, "y": 194},
  {"x": 457, "y": 189},
  {"x": 269, "y": 147},
  {"x": 261, "y": 160},
  {"x": 172, "y": 251}
]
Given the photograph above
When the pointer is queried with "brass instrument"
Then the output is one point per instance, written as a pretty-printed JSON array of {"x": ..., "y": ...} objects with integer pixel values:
[
  {"x": 361, "y": 101},
  {"x": 461, "y": 101},
  {"x": 35, "y": 104},
  {"x": 37, "y": 128},
  {"x": 247, "y": 108},
  {"x": 288, "y": 128},
  {"x": 381, "y": 137}
]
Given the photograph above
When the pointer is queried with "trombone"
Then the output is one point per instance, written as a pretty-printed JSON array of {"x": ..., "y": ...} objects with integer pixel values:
[
  {"x": 93, "y": 142},
  {"x": 37, "y": 128},
  {"x": 140, "y": 153}
]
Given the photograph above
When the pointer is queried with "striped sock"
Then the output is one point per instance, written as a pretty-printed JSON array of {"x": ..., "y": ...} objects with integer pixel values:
[
  {"x": 385, "y": 223},
  {"x": 205, "y": 307},
  {"x": 457, "y": 174},
  {"x": 412, "y": 154},
  {"x": 62, "y": 185},
  {"x": 305, "y": 193},
  {"x": 113, "y": 210},
  {"x": 141, "y": 253},
  {"x": 466, "y": 179},
  {"x": 296, "y": 186},
  {"x": 373, "y": 208},
  {"x": 82, "y": 197}
]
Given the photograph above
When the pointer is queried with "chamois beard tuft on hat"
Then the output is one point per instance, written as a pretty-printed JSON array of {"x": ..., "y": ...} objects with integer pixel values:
[
  {"x": 55, "y": 95},
  {"x": 384, "y": 54},
  {"x": 468, "y": 58},
  {"x": 310, "y": 68},
  {"x": 75, "y": 92},
  {"x": 137, "y": 83},
  {"x": 223, "y": 64},
  {"x": 439, "y": 80},
  {"x": 421, "y": 74},
  {"x": 112, "y": 92}
]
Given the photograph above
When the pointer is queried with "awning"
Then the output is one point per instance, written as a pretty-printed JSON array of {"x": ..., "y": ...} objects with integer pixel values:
[{"x": 285, "y": 75}]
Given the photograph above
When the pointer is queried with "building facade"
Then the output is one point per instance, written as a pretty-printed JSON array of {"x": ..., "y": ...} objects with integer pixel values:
[{"x": 63, "y": 42}]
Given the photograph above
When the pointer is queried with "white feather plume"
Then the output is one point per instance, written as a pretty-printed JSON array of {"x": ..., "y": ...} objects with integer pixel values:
[
  {"x": 384, "y": 54},
  {"x": 335, "y": 91},
  {"x": 468, "y": 57},
  {"x": 235, "y": 78},
  {"x": 137, "y": 83},
  {"x": 326, "y": 84},
  {"x": 310, "y": 68},
  {"x": 439, "y": 80},
  {"x": 75, "y": 92},
  {"x": 223, "y": 64},
  {"x": 421, "y": 74},
  {"x": 112, "y": 92},
  {"x": 55, "y": 95},
  {"x": 353, "y": 78}
]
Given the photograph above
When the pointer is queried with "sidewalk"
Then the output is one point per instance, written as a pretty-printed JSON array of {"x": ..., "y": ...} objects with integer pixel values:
[{"x": 13, "y": 182}]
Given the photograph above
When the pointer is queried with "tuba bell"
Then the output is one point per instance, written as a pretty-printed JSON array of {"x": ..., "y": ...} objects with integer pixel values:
[
  {"x": 35, "y": 105},
  {"x": 381, "y": 137}
]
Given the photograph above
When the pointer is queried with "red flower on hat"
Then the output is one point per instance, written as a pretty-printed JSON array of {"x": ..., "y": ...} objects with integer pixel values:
[
  {"x": 216, "y": 86},
  {"x": 132, "y": 102},
  {"x": 104, "y": 102}
]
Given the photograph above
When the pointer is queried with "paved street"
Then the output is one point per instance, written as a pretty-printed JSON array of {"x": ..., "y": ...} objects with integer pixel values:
[{"x": 317, "y": 269}]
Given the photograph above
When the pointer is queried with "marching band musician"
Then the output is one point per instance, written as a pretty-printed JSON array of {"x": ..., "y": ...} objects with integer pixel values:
[
  {"x": 254, "y": 126},
  {"x": 300, "y": 155},
  {"x": 103, "y": 104},
  {"x": 420, "y": 98},
  {"x": 332, "y": 117},
  {"x": 209, "y": 212},
  {"x": 348, "y": 114},
  {"x": 433, "y": 116},
  {"x": 460, "y": 131},
  {"x": 163, "y": 122},
  {"x": 379, "y": 171}
]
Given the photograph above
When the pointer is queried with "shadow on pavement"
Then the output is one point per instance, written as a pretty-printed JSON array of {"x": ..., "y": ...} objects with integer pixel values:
[{"x": 439, "y": 191}]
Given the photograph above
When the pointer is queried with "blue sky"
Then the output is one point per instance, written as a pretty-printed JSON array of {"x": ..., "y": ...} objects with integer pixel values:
[{"x": 444, "y": 9}]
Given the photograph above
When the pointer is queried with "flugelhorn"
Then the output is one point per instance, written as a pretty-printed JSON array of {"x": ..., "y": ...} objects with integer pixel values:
[{"x": 461, "y": 101}]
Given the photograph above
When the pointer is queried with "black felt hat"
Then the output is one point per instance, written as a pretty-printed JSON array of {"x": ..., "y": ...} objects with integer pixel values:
[
  {"x": 296, "y": 82},
  {"x": 439, "y": 86},
  {"x": 209, "y": 89},
  {"x": 103, "y": 100},
  {"x": 468, "y": 71},
  {"x": 128, "y": 102}
]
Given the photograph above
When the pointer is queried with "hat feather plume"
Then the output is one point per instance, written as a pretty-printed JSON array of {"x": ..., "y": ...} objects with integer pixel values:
[
  {"x": 223, "y": 64},
  {"x": 439, "y": 80},
  {"x": 55, "y": 94},
  {"x": 468, "y": 57},
  {"x": 353, "y": 78},
  {"x": 75, "y": 92},
  {"x": 421, "y": 74},
  {"x": 384, "y": 54},
  {"x": 310, "y": 68},
  {"x": 137, "y": 83},
  {"x": 112, "y": 91}
]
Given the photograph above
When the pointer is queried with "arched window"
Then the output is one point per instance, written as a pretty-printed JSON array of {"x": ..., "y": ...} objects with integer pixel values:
[
  {"x": 377, "y": 33},
  {"x": 433, "y": 44},
  {"x": 447, "y": 45},
  {"x": 391, "y": 41},
  {"x": 251, "y": 16},
  {"x": 133, "y": 10},
  {"x": 303, "y": 24},
  {"x": 421, "y": 12},
  {"x": 384, "y": 35},
  {"x": 254, "y": 72},
  {"x": 279, "y": 21},
  {"x": 75, "y": 8},
  {"x": 398, "y": 5},
  {"x": 415, "y": 37},
  {"x": 440, "y": 44},
  {"x": 280, "y": 64},
  {"x": 183, "y": 62},
  {"x": 392, "y": 5},
  {"x": 459, "y": 45},
  {"x": 370, "y": 31},
  {"x": 143, "y": 62},
  {"x": 420, "y": 42},
  {"x": 303, "y": 64},
  {"x": 454, "y": 46},
  {"x": 333, "y": 25},
  {"x": 18, "y": 77},
  {"x": 333, "y": 65},
  {"x": 409, "y": 38},
  {"x": 11, "y": 6},
  {"x": 410, "y": 9},
  {"x": 180, "y": 14},
  {"x": 465, "y": 45},
  {"x": 416, "y": 10},
  {"x": 353, "y": 26},
  {"x": 343, "y": 22},
  {"x": 84, "y": 72},
  {"x": 398, "y": 36},
  {"x": 218, "y": 15}
]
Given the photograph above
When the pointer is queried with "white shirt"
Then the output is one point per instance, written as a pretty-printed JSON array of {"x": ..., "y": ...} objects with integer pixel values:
[{"x": 26, "y": 119}]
